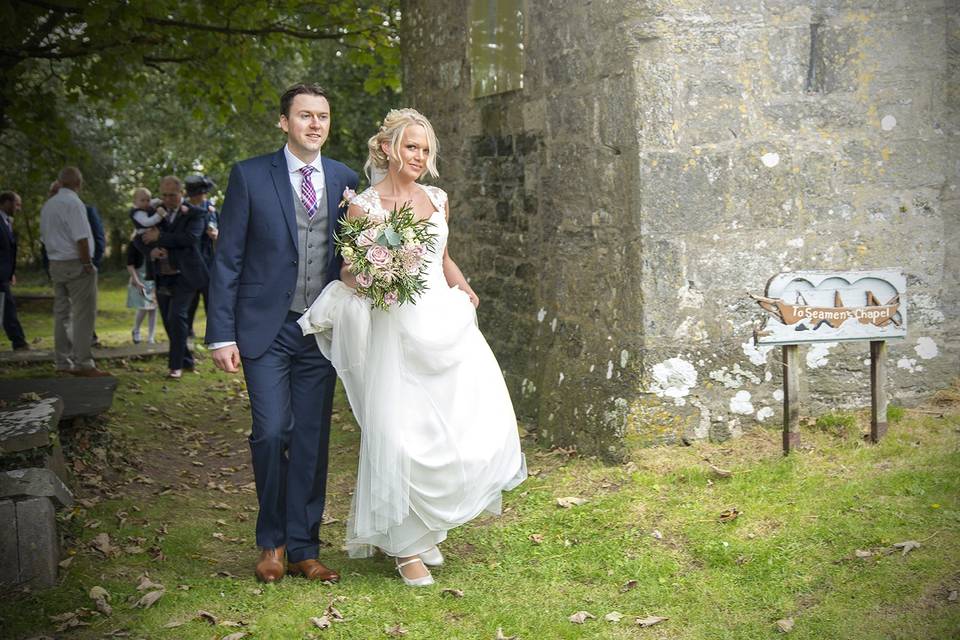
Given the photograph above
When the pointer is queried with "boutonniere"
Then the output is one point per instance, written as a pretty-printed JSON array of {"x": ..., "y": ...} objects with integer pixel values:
[{"x": 349, "y": 195}]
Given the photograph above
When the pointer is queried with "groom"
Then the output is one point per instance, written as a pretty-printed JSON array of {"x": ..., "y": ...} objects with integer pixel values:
[{"x": 274, "y": 255}]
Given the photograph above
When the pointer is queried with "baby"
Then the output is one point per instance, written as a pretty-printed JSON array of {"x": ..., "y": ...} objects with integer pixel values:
[{"x": 145, "y": 212}]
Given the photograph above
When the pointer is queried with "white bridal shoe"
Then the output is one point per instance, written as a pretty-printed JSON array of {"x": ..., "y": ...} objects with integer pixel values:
[
  {"x": 432, "y": 557},
  {"x": 414, "y": 582}
]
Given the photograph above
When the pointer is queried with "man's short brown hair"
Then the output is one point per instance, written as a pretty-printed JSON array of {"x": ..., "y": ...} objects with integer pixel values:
[{"x": 311, "y": 89}]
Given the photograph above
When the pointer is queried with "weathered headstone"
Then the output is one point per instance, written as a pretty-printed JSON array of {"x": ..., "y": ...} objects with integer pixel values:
[
  {"x": 29, "y": 544},
  {"x": 81, "y": 396},
  {"x": 35, "y": 483},
  {"x": 37, "y": 542}
]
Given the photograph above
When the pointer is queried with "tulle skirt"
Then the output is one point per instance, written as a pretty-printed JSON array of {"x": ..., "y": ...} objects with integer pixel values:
[{"x": 439, "y": 436}]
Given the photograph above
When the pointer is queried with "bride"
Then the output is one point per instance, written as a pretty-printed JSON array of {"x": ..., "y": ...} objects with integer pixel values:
[{"x": 439, "y": 436}]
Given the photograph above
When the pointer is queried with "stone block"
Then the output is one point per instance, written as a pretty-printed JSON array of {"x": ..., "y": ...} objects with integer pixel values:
[
  {"x": 711, "y": 111},
  {"x": 35, "y": 482},
  {"x": 682, "y": 192},
  {"x": 29, "y": 425},
  {"x": 9, "y": 553},
  {"x": 39, "y": 545}
]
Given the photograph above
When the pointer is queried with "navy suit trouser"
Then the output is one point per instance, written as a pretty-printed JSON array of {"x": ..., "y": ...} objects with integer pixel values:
[
  {"x": 291, "y": 400},
  {"x": 173, "y": 298},
  {"x": 11, "y": 324}
]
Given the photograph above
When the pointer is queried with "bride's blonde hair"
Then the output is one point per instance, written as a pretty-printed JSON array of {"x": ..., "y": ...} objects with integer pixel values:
[{"x": 391, "y": 131}]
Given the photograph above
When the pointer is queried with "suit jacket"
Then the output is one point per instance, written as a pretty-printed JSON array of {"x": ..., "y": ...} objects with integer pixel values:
[
  {"x": 254, "y": 271},
  {"x": 181, "y": 239},
  {"x": 99, "y": 237},
  {"x": 8, "y": 252}
]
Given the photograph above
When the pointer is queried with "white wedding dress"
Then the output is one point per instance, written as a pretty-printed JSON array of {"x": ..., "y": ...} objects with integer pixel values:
[{"x": 439, "y": 438}]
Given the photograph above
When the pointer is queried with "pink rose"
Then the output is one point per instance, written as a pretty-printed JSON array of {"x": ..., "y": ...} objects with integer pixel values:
[
  {"x": 364, "y": 279},
  {"x": 390, "y": 298},
  {"x": 417, "y": 249},
  {"x": 379, "y": 256},
  {"x": 367, "y": 237}
]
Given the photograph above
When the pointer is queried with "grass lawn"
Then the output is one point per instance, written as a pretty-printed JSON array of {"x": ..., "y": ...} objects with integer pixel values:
[{"x": 164, "y": 479}]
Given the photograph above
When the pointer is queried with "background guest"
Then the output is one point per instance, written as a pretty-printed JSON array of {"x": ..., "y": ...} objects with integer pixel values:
[
  {"x": 69, "y": 244},
  {"x": 179, "y": 270},
  {"x": 9, "y": 208},
  {"x": 141, "y": 295},
  {"x": 197, "y": 189}
]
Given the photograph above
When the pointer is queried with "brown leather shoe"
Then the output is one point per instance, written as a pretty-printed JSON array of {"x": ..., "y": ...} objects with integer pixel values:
[
  {"x": 270, "y": 565},
  {"x": 313, "y": 569}
]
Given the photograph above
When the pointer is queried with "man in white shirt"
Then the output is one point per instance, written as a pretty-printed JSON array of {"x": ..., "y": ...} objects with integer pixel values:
[{"x": 68, "y": 241}]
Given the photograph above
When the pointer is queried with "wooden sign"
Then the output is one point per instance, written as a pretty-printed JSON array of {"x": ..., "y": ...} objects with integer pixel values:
[{"x": 833, "y": 306}]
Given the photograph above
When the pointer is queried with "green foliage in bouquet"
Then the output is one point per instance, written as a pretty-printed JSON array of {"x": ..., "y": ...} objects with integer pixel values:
[{"x": 388, "y": 257}]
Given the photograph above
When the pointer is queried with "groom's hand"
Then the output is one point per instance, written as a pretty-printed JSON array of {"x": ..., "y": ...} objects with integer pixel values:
[{"x": 227, "y": 358}]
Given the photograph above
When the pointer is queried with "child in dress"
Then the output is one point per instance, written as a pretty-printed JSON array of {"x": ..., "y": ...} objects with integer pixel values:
[{"x": 141, "y": 291}]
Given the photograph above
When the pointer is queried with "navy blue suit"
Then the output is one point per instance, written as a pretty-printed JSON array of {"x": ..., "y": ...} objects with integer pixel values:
[
  {"x": 8, "y": 265},
  {"x": 289, "y": 381}
]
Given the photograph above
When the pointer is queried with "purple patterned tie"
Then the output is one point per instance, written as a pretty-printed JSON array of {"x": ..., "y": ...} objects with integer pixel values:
[{"x": 307, "y": 195}]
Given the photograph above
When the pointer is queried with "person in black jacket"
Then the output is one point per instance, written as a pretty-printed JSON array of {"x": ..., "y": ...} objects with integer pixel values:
[
  {"x": 179, "y": 270},
  {"x": 9, "y": 207}
]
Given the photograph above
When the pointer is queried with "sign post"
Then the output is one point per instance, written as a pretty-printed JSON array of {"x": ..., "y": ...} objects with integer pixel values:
[{"x": 805, "y": 307}]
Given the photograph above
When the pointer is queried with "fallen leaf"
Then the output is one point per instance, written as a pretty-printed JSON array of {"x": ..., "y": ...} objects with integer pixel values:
[
  {"x": 500, "y": 635},
  {"x": 629, "y": 584},
  {"x": 729, "y": 514},
  {"x": 570, "y": 501},
  {"x": 102, "y": 544},
  {"x": 209, "y": 617},
  {"x": 395, "y": 631},
  {"x": 66, "y": 562},
  {"x": 723, "y": 473},
  {"x": 649, "y": 621},
  {"x": 581, "y": 616},
  {"x": 323, "y": 622},
  {"x": 235, "y": 636},
  {"x": 145, "y": 583},
  {"x": 99, "y": 592},
  {"x": 656, "y": 534},
  {"x": 174, "y": 624},
  {"x": 149, "y": 599},
  {"x": 613, "y": 616},
  {"x": 862, "y": 554},
  {"x": 456, "y": 593},
  {"x": 536, "y": 538},
  {"x": 907, "y": 546},
  {"x": 785, "y": 625}
]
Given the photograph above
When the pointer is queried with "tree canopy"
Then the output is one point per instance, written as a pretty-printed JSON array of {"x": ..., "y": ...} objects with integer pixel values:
[{"x": 136, "y": 89}]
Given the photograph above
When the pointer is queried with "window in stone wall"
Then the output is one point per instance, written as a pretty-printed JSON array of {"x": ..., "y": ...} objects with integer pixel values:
[{"x": 496, "y": 46}]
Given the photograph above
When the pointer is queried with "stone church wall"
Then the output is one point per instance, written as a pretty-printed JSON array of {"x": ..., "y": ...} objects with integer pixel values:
[{"x": 664, "y": 158}]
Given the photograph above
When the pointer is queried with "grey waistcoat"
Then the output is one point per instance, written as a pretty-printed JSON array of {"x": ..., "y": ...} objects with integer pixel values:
[{"x": 312, "y": 249}]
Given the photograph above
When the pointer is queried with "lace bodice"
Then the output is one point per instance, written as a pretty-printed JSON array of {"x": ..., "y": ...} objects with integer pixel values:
[{"x": 371, "y": 204}]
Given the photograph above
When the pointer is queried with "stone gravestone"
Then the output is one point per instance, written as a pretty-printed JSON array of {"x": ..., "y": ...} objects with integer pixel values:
[
  {"x": 29, "y": 543},
  {"x": 805, "y": 307}
]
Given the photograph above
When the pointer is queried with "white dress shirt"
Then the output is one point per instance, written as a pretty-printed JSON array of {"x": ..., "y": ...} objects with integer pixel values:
[
  {"x": 294, "y": 164},
  {"x": 63, "y": 222}
]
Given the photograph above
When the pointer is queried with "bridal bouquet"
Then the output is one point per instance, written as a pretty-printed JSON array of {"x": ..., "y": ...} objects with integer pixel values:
[{"x": 386, "y": 255}]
